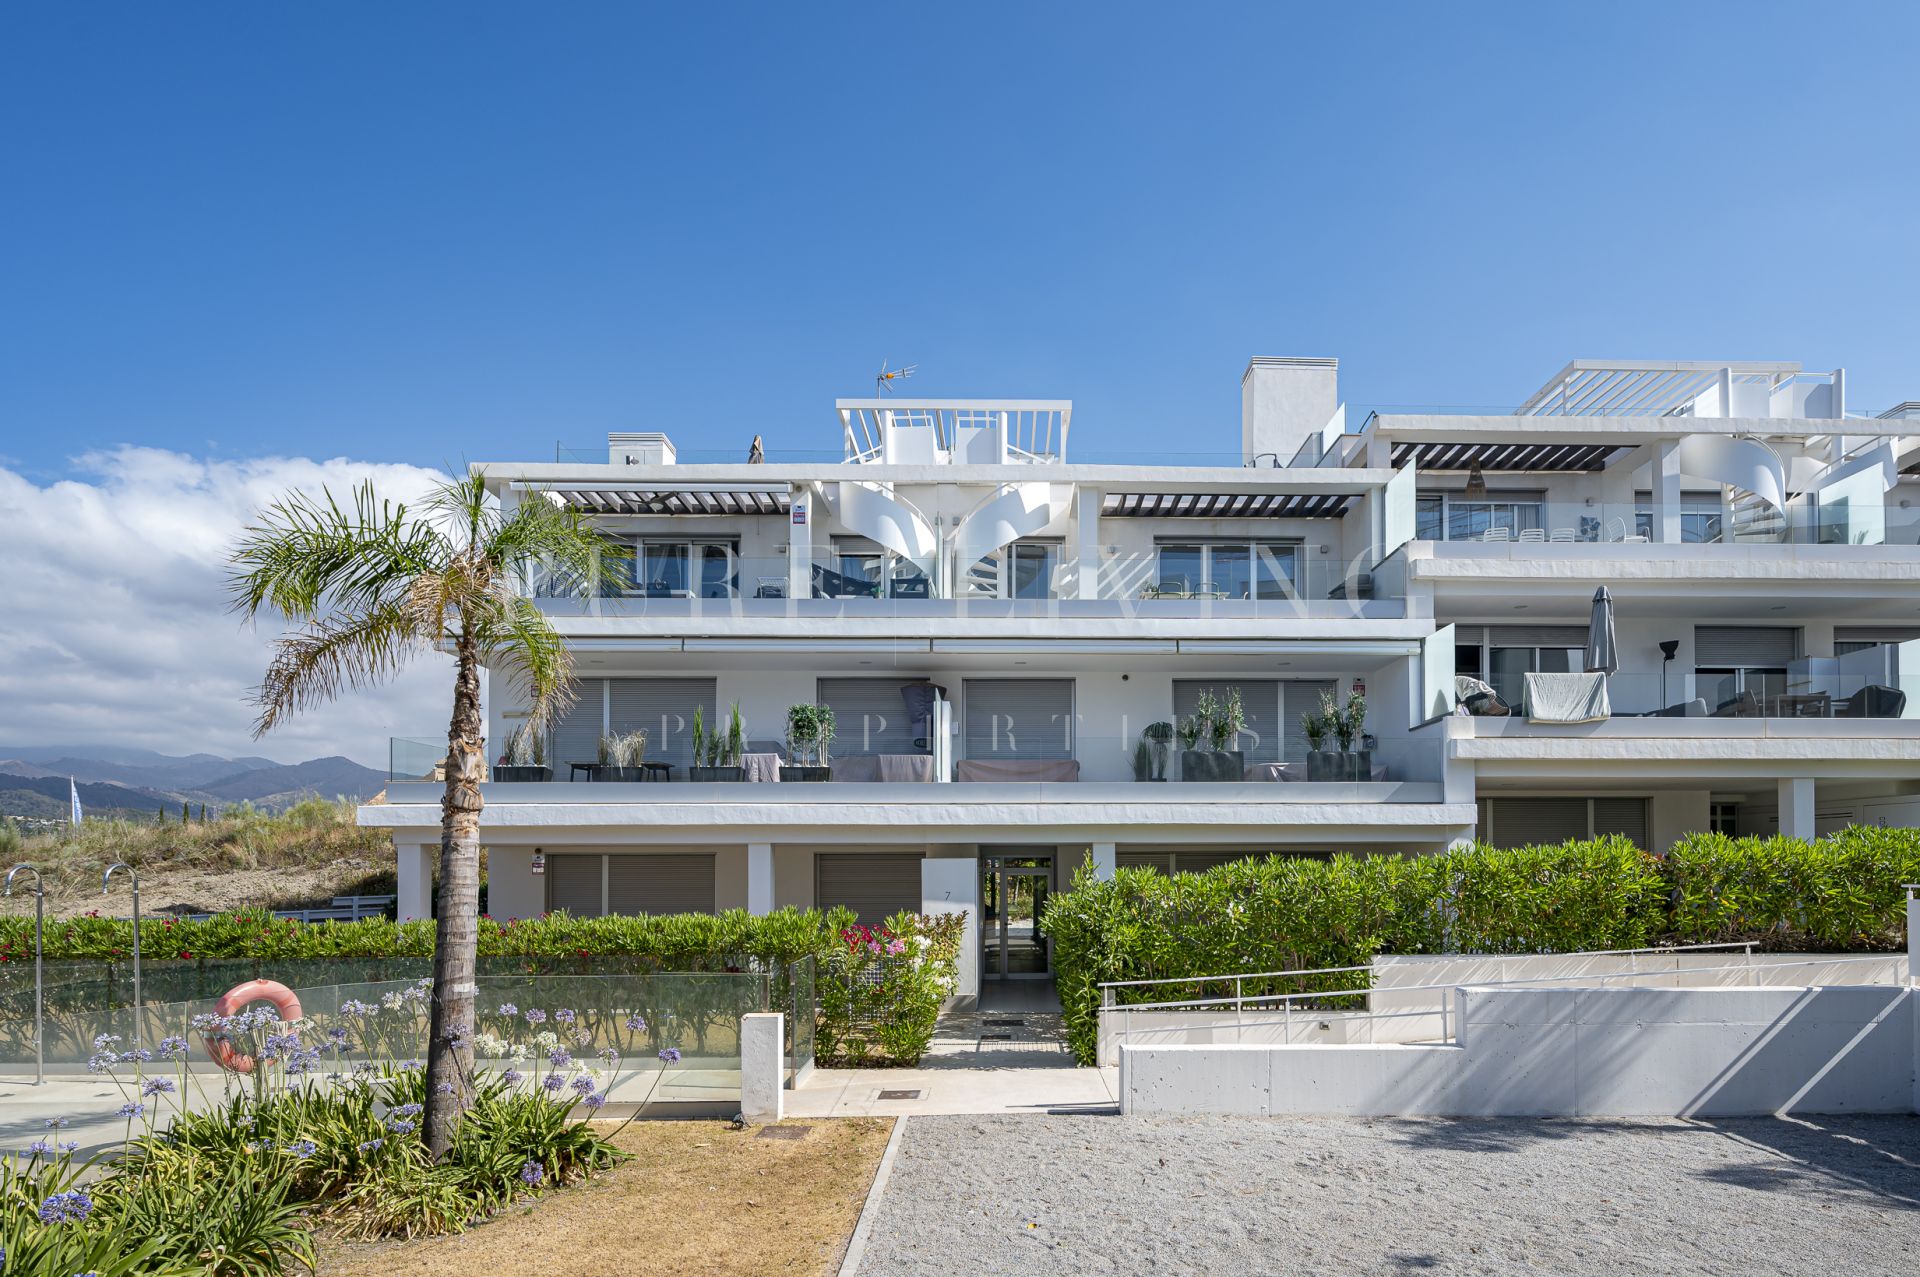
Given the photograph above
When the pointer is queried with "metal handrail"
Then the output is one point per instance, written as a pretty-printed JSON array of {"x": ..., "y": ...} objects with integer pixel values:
[
  {"x": 1477, "y": 957},
  {"x": 1241, "y": 1002}
]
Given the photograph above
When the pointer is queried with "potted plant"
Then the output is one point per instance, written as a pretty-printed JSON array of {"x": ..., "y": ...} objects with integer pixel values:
[
  {"x": 809, "y": 729},
  {"x": 717, "y": 757},
  {"x": 1142, "y": 760},
  {"x": 620, "y": 757},
  {"x": 1159, "y": 742},
  {"x": 525, "y": 758},
  {"x": 1217, "y": 722},
  {"x": 1346, "y": 724}
]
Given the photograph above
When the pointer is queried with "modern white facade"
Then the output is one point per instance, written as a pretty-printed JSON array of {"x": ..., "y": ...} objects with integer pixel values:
[{"x": 1735, "y": 513}]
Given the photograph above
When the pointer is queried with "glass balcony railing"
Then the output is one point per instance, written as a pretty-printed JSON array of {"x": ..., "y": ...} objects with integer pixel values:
[
  {"x": 1748, "y": 694},
  {"x": 1506, "y": 522}
]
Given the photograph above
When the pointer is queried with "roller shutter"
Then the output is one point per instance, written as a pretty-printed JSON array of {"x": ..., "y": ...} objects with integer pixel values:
[
  {"x": 1537, "y": 635},
  {"x": 1745, "y": 646},
  {"x": 1018, "y": 717},
  {"x": 874, "y": 886},
  {"x": 1625, "y": 816},
  {"x": 1260, "y": 698},
  {"x": 664, "y": 707},
  {"x": 660, "y": 884},
  {"x": 869, "y": 717},
  {"x": 576, "y": 736},
  {"x": 1303, "y": 698},
  {"x": 1535, "y": 822},
  {"x": 573, "y": 884},
  {"x": 1857, "y": 638}
]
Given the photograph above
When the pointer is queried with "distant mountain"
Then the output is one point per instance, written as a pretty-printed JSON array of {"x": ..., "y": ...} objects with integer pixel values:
[
  {"x": 327, "y": 777},
  {"x": 33, "y": 780}
]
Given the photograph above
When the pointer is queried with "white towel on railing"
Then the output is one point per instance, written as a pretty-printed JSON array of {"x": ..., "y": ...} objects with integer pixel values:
[
  {"x": 1567, "y": 698},
  {"x": 764, "y": 768}
]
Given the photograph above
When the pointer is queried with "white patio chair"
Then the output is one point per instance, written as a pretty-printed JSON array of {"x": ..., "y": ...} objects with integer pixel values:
[
  {"x": 1562, "y": 536},
  {"x": 1497, "y": 534},
  {"x": 1533, "y": 536}
]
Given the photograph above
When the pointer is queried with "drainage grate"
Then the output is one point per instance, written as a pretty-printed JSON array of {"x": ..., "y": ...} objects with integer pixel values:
[
  {"x": 1005, "y": 1024},
  {"x": 996, "y": 1037},
  {"x": 899, "y": 1095},
  {"x": 784, "y": 1132}
]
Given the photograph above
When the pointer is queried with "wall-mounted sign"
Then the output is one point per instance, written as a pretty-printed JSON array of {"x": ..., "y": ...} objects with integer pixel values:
[
  {"x": 539, "y": 863},
  {"x": 799, "y": 514}
]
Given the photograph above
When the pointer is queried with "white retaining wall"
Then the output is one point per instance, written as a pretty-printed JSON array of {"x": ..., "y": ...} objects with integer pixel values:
[{"x": 1573, "y": 1052}]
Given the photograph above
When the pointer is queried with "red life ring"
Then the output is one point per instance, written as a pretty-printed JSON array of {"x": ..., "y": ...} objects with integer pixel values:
[{"x": 233, "y": 1000}]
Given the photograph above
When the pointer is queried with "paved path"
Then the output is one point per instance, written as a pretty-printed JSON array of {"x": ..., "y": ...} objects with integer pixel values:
[
  {"x": 1008, "y": 1058},
  {"x": 1069, "y": 1195}
]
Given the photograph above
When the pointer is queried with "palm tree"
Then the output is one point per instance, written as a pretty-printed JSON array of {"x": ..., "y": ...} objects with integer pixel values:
[{"x": 372, "y": 586}]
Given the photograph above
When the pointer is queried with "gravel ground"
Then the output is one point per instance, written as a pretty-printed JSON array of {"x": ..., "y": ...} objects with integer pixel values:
[{"x": 1068, "y": 1195}]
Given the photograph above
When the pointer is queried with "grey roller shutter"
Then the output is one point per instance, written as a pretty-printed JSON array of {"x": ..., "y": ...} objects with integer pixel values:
[
  {"x": 1537, "y": 635},
  {"x": 875, "y": 886},
  {"x": 1745, "y": 646},
  {"x": 573, "y": 884},
  {"x": 869, "y": 716},
  {"x": 576, "y": 736},
  {"x": 664, "y": 707},
  {"x": 660, "y": 884},
  {"x": 1856, "y": 638},
  {"x": 1535, "y": 822},
  {"x": 1260, "y": 698},
  {"x": 1303, "y": 698},
  {"x": 1018, "y": 717},
  {"x": 1625, "y": 816},
  {"x": 1161, "y": 860}
]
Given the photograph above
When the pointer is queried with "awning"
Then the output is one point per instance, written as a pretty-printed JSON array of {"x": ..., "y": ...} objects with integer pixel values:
[
  {"x": 768, "y": 499},
  {"x": 1224, "y": 505}
]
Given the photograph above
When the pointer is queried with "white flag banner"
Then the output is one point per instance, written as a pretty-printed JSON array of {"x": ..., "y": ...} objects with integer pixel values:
[{"x": 73, "y": 789}]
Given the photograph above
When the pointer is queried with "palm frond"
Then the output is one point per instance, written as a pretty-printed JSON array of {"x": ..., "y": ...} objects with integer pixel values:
[
  {"x": 308, "y": 555},
  {"x": 558, "y": 536},
  {"x": 519, "y": 644},
  {"x": 334, "y": 654}
]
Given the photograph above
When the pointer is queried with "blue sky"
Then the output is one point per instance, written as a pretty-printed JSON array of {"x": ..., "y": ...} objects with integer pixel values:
[{"x": 427, "y": 233}]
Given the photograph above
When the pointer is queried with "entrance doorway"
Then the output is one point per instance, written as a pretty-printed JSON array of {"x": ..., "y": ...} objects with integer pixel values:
[{"x": 1014, "y": 885}]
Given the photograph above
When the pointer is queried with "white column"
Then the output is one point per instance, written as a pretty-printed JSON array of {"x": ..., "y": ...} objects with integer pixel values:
[
  {"x": 1104, "y": 861},
  {"x": 951, "y": 884},
  {"x": 1796, "y": 807},
  {"x": 1086, "y": 541},
  {"x": 1664, "y": 474},
  {"x": 762, "y": 1066},
  {"x": 760, "y": 878},
  {"x": 800, "y": 542},
  {"x": 415, "y": 874}
]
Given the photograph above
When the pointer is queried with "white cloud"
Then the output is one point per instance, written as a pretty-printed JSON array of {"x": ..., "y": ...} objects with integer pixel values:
[{"x": 115, "y": 625}]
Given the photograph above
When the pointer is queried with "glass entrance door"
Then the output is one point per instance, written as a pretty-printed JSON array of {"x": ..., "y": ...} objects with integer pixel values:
[{"x": 1013, "y": 891}]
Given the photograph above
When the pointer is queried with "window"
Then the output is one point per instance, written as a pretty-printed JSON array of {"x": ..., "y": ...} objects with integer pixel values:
[
  {"x": 592, "y": 886},
  {"x": 680, "y": 569},
  {"x": 1545, "y": 822},
  {"x": 662, "y": 706},
  {"x": 1450, "y": 516},
  {"x": 1742, "y": 662},
  {"x": 1848, "y": 639},
  {"x": 1274, "y": 709},
  {"x": 1230, "y": 569},
  {"x": 865, "y": 570},
  {"x": 870, "y": 716},
  {"x": 1514, "y": 651},
  {"x": 1700, "y": 521},
  {"x": 1023, "y": 570},
  {"x": 1018, "y": 717}
]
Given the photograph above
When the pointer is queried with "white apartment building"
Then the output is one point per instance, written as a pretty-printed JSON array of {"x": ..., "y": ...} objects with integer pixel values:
[{"x": 997, "y": 616}]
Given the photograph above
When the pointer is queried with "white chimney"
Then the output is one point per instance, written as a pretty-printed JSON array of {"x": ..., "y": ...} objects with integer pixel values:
[
  {"x": 1283, "y": 402},
  {"x": 644, "y": 448}
]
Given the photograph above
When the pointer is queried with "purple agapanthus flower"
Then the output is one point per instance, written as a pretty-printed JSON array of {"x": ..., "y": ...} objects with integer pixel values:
[
  {"x": 55, "y": 1123},
  {"x": 303, "y": 1148},
  {"x": 369, "y": 1146},
  {"x": 671, "y": 1055},
  {"x": 173, "y": 1048},
  {"x": 559, "y": 1058},
  {"x": 536, "y": 1016},
  {"x": 554, "y": 1082},
  {"x": 583, "y": 1084},
  {"x": 509, "y": 1010},
  {"x": 563, "y": 1016},
  {"x": 636, "y": 1024},
  {"x": 132, "y": 1109},
  {"x": 157, "y": 1086},
  {"x": 532, "y": 1173},
  {"x": 594, "y": 1101},
  {"x": 66, "y": 1208},
  {"x": 512, "y": 1077}
]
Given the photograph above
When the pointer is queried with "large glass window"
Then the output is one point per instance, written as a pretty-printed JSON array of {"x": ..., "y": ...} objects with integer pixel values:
[
  {"x": 864, "y": 570},
  {"x": 1446, "y": 516},
  {"x": 1700, "y": 521},
  {"x": 677, "y": 569},
  {"x": 1023, "y": 570},
  {"x": 1229, "y": 569}
]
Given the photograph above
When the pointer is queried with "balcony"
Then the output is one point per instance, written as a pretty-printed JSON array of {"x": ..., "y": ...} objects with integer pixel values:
[{"x": 1494, "y": 521}]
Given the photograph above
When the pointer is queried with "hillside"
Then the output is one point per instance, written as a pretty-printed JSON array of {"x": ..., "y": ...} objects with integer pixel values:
[{"x": 115, "y": 781}]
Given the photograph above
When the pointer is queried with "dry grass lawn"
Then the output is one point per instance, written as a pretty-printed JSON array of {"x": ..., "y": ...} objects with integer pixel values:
[{"x": 698, "y": 1200}]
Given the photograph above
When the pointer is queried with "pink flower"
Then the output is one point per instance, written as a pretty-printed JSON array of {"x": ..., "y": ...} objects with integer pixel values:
[{"x": 897, "y": 947}]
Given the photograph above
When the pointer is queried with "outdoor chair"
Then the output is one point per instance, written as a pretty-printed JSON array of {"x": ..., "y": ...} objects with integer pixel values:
[
  {"x": 1497, "y": 534},
  {"x": 771, "y": 587},
  {"x": 1875, "y": 700},
  {"x": 1563, "y": 536},
  {"x": 1533, "y": 536},
  {"x": 1745, "y": 705},
  {"x": 1173, "y": 587}
]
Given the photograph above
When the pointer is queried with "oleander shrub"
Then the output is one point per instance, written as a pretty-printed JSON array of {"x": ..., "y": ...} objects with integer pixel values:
[
  {"x": 880, "y": 989},
  {"x": 1838, "y": 894}
]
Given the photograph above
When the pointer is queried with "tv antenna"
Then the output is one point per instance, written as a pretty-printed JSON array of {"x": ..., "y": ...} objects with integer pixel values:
[{"x": 885, "y": 379}]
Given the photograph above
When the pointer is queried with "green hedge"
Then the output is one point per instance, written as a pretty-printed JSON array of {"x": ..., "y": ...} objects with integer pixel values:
[{"x": 1839, "y": 894}]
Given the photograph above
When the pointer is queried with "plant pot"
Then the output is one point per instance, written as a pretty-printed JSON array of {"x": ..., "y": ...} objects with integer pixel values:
[
  {"x": 508, "y": 773},
  {"x": 717, "y": 773},
  {"x": 1212, "y": 765},
  {"x": 1340, "y": 766},
  {"x": 619, "y": 775},
  {"x": 790, "y": 773}
]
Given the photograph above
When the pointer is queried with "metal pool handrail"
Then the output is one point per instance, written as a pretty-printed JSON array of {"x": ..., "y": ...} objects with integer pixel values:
[{"x": 39, "y": 972}]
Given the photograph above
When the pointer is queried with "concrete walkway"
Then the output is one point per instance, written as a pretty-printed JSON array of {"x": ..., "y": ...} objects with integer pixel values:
[{"x": 1008, "y": 1056}]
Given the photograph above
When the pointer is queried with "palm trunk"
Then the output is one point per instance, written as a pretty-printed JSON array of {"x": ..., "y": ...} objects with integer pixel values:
[{"x": 456, "y": 938}]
